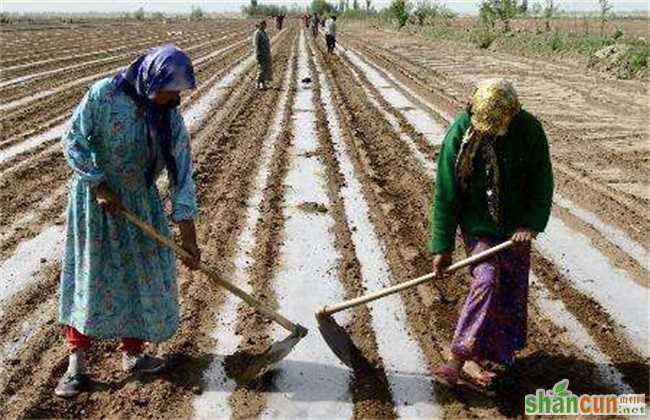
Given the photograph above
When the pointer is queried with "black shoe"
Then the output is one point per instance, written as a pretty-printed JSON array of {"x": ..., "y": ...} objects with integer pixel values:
[
  {"x": 70, "y": 385},
  {"x": 142, "y": 364}
]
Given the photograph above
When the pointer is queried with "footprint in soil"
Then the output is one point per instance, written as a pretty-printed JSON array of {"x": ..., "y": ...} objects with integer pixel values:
[{"x": 312, "y": 207}]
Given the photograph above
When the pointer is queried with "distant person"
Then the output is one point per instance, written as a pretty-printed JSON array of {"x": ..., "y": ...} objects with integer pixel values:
[
  {"x": 330, "y": 34},
  {"x": 279, "y": 20},
  {"x": 495, "y": 181},
  {"x": 115, "y": 281},
  {"x": 314, "y": 25},
  {"x": 262, "y": 46},
  {"x": 322, "y": 21},
  {"x": 306, "y": 20}
]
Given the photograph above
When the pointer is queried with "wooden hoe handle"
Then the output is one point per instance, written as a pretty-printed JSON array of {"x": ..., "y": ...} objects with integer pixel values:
[
  {"x": 212, "y": 274},
  {"x": 331, "y": 309}
]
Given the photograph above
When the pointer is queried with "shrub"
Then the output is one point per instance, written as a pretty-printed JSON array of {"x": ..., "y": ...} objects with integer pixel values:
[
  {"x": 635, "y": 60},
  {"x": 139, "y": 14},
  {"x": 483, "y": 37},
  {"x": 556, "y": 42},
  {"x": 399, "y": 10},
  {"x": 196, "y": 13}
]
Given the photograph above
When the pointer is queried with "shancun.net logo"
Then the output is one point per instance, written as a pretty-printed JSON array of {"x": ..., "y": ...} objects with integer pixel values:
[{"x": 561, "y": 402}]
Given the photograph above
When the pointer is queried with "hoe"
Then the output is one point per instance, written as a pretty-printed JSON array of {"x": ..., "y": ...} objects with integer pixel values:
[
  {"x": 340, "y": 342},
  {"x": 260, "y": 362}
]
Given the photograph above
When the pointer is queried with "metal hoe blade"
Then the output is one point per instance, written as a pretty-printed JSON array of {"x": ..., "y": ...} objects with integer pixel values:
[
  {"x": 244, "y": 366},
  {"x": 338, "y": 340}
]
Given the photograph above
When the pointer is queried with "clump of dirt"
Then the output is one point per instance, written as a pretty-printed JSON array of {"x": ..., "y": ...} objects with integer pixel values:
[
  {"x": 624, "y": 61},
  {"x": 312, "y": 207},
  {"x": 237, "y": 365}
]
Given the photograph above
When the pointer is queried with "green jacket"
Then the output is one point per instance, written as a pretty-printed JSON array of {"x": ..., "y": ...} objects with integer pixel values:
[
  {"x": 262, "y": 45},
  {"x": 526, "y": 189}
]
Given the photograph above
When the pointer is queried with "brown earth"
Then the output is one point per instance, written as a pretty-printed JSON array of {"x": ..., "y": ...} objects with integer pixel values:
[{"x": 600, "y": 161}]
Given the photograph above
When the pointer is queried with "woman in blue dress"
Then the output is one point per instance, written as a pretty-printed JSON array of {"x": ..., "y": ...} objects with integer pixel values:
[{"x": 115, "y": 281}]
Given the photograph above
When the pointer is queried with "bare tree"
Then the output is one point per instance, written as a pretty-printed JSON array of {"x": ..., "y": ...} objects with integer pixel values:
[
  {"x": 550, "y": 11},
  {"x": 605, "y": 8}
]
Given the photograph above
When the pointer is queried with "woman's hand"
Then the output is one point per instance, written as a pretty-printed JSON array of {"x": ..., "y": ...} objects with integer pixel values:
[
  {"x": 523, "y": 237},
  {"x": 107, "y": 199},
  {"x": 188, "y": 238},
  {"x": 440, "y": 263}
]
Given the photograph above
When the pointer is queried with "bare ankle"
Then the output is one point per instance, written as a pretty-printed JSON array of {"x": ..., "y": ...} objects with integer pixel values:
[{"x": 456, "y": 362}]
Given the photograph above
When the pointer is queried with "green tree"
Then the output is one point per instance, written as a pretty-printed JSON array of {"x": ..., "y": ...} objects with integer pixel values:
[
  {"x": 399, "y": 10},
  {"x": 491, "y": 11},
  {"x": 139, "y": 14},
  {"x": 320, "y": 7},
  {"x": 196, "y": 13},
  {"x": 523, "y": 7},
  {"x": 605, "y": 9}
]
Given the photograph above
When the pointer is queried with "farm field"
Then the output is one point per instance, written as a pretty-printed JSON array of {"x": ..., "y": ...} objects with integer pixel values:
[
  {"x": 631, "y": 26},
  {"x": 318, "y": 191}
]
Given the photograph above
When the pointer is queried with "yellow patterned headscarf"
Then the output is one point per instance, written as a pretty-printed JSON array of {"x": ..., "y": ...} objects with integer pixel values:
[{"x": 494, "y": 104}]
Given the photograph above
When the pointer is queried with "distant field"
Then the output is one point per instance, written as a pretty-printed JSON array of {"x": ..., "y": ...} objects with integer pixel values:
[{"x": 632, "y": 27}]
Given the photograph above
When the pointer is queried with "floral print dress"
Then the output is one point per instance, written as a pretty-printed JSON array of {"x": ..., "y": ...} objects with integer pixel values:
[{"x": 115, "y": 281}]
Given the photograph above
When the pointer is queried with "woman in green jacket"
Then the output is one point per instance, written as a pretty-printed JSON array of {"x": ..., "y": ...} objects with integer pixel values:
[
  {"x": 262, "y": 47},
  {"x": 494, "y": 181}
]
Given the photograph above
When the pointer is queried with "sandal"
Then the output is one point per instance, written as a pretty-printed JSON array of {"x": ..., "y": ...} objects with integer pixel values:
[
  {"x": 445, "y": 375},
  {"x": 478, "y": 375}
]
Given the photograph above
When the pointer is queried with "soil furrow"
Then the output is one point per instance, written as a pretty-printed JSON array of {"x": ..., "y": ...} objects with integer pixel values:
[
  {"x": 400, "y": 193},
  {"x": 54, "y": 172},
  {"x": 217, "y": 173},
  {"x": 93, "y": 40},
  {"x": 586, "y": 190},
  {"x": 370, "y": 389},
  {"x": 255, "y": 330},
  {"x": 64, "y": 62},
  {"x": 609, "y": 341},
  {"x": 18, "y": 124}
]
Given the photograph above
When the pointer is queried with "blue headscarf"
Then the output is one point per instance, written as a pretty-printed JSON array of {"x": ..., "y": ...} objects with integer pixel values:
[{"x": 166, "y": 68}]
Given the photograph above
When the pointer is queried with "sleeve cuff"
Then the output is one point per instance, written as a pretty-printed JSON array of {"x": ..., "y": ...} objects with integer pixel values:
[
  {"x": 92, "y": 180},
  {"x": 181, "y": 213},
  {"x": 438, "y": 246}
]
